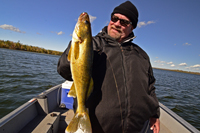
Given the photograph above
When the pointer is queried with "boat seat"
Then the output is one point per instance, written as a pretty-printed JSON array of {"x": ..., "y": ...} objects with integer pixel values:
[{"x": 49, "y": 124}]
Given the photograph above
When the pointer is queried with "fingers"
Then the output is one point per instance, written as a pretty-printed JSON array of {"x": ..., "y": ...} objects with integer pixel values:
[{"x": 155, "y": 125}]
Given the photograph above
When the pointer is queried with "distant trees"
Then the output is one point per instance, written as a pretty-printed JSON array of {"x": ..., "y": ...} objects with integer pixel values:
[
  {"x": 18, "y": 46},
  {"x": 181, "y": 71}
]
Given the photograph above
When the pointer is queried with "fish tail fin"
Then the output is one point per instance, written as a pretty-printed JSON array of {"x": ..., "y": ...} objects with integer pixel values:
[{"x": 80, "y": 123}]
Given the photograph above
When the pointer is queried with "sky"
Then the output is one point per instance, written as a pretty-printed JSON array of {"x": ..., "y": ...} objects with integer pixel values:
[{"x": 168, "y": 30}]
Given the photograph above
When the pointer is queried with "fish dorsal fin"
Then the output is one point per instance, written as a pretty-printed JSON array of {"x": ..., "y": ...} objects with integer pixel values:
[{"x": 72, "y": 91}]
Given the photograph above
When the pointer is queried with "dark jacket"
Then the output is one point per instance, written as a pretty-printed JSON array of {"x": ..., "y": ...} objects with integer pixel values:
[{"x": 124, "y": 94}]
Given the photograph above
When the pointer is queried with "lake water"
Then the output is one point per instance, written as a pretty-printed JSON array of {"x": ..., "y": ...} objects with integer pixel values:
[{"x": 23, "y": 75}]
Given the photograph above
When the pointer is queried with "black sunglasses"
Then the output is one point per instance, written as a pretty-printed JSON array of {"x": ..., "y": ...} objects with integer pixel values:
[{"x": 123, "y": 22}]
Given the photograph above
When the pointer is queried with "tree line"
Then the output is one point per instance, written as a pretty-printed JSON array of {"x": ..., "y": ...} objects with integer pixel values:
[
  {"x": 18, "y": 46},
  {"x": 196, "y": 73}
]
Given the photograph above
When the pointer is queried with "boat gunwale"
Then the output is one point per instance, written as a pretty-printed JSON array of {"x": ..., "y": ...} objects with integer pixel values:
[
  {"x": 4, "y": 120},
  {"x": 47, "y": 94},
  {"x": 180, "y": 120},
  {"x": 24, "y": 106}
]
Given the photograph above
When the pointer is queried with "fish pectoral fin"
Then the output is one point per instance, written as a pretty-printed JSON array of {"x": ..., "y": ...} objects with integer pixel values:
[
  {"x": 90, "y": 88},
  {"x": 72, "y": 91},
  {"x": 69, "y": 55},
  {"x": 79, "y": 123},
  {"x": 76, "y": 50}
]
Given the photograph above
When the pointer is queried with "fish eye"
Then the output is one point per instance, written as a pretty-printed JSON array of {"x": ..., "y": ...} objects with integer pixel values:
[{"x": 87, "y": 22}]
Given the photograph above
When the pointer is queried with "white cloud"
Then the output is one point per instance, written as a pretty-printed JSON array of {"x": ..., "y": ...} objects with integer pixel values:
[
  {"x": 162, "y": 62},
  {"x": 183, "y": 64},
  {"x": 172, "y": 65},
  {"x": 92, "y": 18},
  {"x": 159, "y": 61},
  {"x": 143, "y": 23},
  {"x": 10, "y": 27},
  {"x": 195, "y": 66},
  {"x": 186, "y": 44},
  {"x": 150, "y": 22},
  {"x": 169, "y": 62},
  {"x": 60, "y": 33}
]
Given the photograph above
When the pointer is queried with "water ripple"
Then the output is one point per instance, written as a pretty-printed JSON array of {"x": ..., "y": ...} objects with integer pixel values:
[
  {"x": 23, "y": 76},
  {"x": 180, "y": 93}
]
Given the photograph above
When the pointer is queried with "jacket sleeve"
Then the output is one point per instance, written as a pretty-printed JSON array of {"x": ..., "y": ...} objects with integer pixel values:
[
  {"x": 63, "y": 67},
  {"x": 152, "y": 90},
  {"x": 152, "y": 81}
]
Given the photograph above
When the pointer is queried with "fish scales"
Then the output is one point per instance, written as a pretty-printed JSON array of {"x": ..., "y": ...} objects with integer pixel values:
[{"x": 81, "y": 59}]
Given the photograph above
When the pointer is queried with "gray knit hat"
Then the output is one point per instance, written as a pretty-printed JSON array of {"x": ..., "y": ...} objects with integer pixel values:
[{"x": 129, "y": 10}]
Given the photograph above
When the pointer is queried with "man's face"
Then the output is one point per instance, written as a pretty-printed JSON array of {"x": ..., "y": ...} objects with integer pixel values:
[{"x": 118, "y": 31}]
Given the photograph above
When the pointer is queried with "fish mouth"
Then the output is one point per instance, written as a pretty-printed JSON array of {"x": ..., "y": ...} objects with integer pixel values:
[
  {"x": 84, "y": 17},
  {"x": 83, "y": 13}
]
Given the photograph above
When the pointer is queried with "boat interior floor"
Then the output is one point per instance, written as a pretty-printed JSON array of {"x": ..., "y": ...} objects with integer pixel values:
[
  {"x": 65, "y": 117},
  {"x": 40, "y": 122}
]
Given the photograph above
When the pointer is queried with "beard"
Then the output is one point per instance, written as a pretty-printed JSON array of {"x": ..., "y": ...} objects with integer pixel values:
[{"x": 115, "y": 32}]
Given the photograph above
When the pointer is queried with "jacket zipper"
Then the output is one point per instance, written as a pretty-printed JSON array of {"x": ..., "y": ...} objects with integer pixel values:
[{"x": 125, "y": 89}]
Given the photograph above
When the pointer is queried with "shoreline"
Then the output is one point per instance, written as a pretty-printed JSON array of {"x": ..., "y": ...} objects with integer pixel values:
[
  {"x": 181, "y": 71},
  {"x": 19, "y": 46}
]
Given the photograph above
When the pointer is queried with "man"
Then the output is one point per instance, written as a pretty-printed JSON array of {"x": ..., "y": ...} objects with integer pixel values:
[{"x": 124, "y": 97}]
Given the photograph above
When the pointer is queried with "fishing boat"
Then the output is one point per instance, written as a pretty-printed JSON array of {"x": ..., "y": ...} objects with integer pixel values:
[{"x": 46, "y": 114}]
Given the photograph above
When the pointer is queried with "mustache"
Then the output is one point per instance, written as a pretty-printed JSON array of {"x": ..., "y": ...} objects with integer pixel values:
[{"x": 116, "y": 28}]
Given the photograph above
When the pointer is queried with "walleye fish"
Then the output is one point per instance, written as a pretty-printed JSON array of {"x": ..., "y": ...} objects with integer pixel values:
[{"x": 81, "y": 59}]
